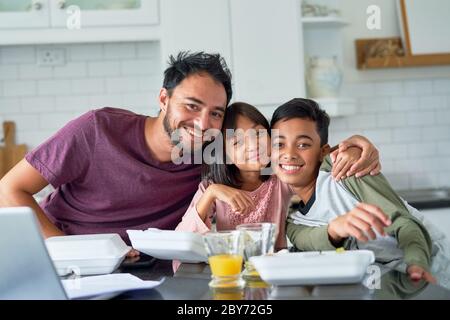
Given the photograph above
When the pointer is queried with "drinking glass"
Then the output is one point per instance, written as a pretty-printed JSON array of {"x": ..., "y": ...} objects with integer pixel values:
[{"x": 225, "y": 259}]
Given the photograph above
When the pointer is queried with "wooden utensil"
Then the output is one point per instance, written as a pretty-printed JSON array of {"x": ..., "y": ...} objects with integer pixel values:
[{"x": 10, "y": 153}]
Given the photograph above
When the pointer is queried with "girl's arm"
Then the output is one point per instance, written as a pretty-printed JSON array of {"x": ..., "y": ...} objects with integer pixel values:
[{"x": 193, "y": 220}]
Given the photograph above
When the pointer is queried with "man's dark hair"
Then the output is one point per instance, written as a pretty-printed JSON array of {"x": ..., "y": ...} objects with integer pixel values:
[
  {"x": 227, "y": 173},
  {"x": 304, "y": 109},
  {"x": 187, "y": 63}
]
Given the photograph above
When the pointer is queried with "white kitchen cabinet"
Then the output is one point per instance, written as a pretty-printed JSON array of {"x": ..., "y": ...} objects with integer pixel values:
[
  {"x": 267, "y": 51},
  {"x": 103, "y": 13},
  {"x": 24, "y": 14},
  {"x": 260, "y": 39},
  {"x": 46, "y": 21}
]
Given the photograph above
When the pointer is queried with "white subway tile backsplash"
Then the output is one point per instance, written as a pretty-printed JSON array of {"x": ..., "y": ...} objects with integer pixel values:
[
  {"x": 443, "y": 116},
  {"x": 422, "y": 149},
  {"x": 435, "y": 133},
  {"x": 33, "y": 71},
  {"x": 10, "y": 105},
  {"x": 378, "y": 136},
  {"x": 104, "y": 68},
  {"x": 362, "y": 121},
  {"x": 398, "y": 181},
  {"x": 55, "y": 121},
  {"x": 119, "y": 50},
  {"x": 85, "y": 52},
  {"x": 54, "y": 87},
  {"x": 70, "y": 70},
  {"x": 18, "y": 54},
  {"x": 443, "y": 148},
  {"x": 432, "y": 102},
  {"x": 8, "y": 72},
  {"x": 148, "y": 49},
  {"x": 391, "y": 120},
  {"x": 38, "y": 104},
  {"x": 441, "y": 86},
  {"x": 401, "y": 135},
  {"x": 358, "y": 90},
  {"x": 393, "y": 151},
  {"x": 393, "y": 88},
  {"x": 18, "y": 88},
  {"x": 73, "y": 103},
  {"x": 421, "y": 118},
  {"x": 404, "y": 104},
  {"x": 374, "y": 105},
  {"x": 24, "y": 121},
  {"x": 122, "y": 85},
  {"x": 138, "y": 67},
  {"x": 107, "y": 100},
  {"x": 444, "y": 179},
  {"x": 418, "y": 87},
  {"x": 85, "y": 86}
]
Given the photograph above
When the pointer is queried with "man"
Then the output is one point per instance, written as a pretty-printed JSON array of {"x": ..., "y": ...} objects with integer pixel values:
[{"x": 113, "y": 169}]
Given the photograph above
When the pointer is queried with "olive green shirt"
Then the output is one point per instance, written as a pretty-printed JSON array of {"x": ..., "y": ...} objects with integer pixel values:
[{"x": 411, "y": 235}]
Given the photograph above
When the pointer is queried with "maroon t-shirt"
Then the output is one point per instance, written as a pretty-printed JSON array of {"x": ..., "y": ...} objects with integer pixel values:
[{"x": 106, "y": 180}]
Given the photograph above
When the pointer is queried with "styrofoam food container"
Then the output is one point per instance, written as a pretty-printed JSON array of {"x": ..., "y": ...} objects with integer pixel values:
[
  {"x": 314, "y": 268},
  {"x": 87, "y": 254},
  {"x": 169, "y": 245}
]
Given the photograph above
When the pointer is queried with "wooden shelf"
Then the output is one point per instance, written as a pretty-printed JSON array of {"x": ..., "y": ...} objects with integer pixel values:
[
  {"x": 323, "y": 22},
  {"x": 392, "y": 60}
]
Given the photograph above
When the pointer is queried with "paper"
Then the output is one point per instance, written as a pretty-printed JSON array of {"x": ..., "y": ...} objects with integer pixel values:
[{"x": 105, "y": 284}]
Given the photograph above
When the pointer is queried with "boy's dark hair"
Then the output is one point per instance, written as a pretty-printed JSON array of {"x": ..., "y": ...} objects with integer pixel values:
[
  {"x": 186, "y": 64},
  {"x": 304, "y": 109},
  {"x": 228, "y": 174}
]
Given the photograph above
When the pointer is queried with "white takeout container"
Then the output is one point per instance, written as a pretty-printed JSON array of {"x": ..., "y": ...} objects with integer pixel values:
[
  {"x": 87, "y": 254},
  {"x": 169, "y": 245},
  {"x": 314, "y": 268}
]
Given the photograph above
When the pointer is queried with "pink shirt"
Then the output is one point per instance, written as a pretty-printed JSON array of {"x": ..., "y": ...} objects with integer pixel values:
[{"x": 272, "y": 202}]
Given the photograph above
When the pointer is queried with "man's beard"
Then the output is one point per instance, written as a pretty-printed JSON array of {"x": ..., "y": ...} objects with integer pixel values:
[{"x": 173, "y": 134}]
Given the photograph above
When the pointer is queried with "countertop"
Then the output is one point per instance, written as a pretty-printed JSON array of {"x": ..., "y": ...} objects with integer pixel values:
[{"x": 190, "y": 282}]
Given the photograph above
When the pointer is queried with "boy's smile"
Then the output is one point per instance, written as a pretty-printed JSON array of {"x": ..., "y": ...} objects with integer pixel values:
[{"x": 297, "y": 151}]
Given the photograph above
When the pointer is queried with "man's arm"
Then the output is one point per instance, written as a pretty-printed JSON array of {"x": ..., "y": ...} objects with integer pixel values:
[
  {"x": 345, "y": 164},
  {"x": 17, "y": 188}
]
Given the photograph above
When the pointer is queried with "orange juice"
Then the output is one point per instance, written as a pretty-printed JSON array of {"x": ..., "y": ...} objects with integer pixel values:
[{"x": 225, "y": 265}]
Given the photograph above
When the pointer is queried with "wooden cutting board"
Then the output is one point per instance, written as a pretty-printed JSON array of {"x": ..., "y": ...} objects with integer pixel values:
[{"x": 10, "y": 153}]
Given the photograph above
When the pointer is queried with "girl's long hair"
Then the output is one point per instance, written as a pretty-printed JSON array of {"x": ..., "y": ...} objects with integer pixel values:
[{"x": 228, "y": 174}]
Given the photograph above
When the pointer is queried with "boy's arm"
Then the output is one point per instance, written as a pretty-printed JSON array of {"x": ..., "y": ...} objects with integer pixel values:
[
  {"x": 306, "y": 238},
  {"x": 411, "y": 235}
]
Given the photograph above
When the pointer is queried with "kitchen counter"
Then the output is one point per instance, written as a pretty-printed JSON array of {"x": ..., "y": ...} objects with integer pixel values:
[
  {"x": 427, "y": 198},
  {"x": 190, "y": 282}
]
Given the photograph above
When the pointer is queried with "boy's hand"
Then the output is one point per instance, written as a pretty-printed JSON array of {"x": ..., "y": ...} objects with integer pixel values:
[
  {"x": 359, "y": 223},
  {"x": 238, "y": 200},
  {"x": 369, "y": 161},
  {"x": 417, "y": 273}
]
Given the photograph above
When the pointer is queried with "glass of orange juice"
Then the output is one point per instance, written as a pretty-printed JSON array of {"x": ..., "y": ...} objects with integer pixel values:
[{"x": 225, "y": 259}]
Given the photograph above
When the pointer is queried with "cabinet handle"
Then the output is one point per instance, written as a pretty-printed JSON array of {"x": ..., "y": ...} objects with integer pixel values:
[
  {"x": 36, "y": 5},
  {"x": 62, "y": 4}
]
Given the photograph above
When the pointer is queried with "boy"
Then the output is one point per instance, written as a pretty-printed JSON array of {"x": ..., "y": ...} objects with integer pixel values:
[{"x": 355, "y": 213}]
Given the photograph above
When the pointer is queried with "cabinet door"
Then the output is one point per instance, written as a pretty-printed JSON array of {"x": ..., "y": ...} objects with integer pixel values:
[
  {"x": 195, "y": 25},
  {"x": 15, "y": 14},
  {"x": 106, "y": 13},
  {"x": 267, "y": 50}
]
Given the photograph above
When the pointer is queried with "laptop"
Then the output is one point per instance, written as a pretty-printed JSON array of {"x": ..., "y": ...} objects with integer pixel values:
[{"x": 26, "y": 269}]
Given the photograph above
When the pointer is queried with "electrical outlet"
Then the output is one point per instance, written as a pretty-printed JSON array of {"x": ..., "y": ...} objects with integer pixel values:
[{"x": 48, "y": 57}]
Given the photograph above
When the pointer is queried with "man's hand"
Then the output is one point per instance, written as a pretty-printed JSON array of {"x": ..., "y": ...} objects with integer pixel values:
[
  {"x": 417, "y": 273},
  {"x": 359, "y": 223},
  {"x": 369, "y": 161}
]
